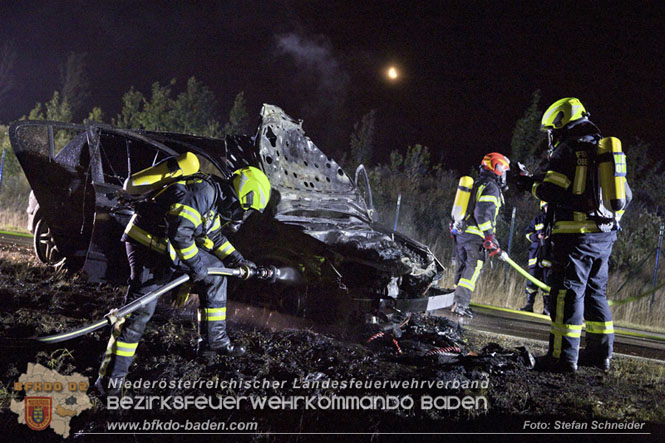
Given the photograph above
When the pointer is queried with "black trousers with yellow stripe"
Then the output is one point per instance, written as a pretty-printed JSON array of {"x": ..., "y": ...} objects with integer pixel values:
[
  {"x": 540, "y": 273},
  {"x": 579, "y": 283},
  {"x": 471, "y": 257},
  {"x": 149, "y": 271}
]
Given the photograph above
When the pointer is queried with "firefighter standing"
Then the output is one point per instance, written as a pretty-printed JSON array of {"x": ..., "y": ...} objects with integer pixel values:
[
  {"x": 539, "y": 263},
  {"x": 582, "y": 239},
  {"x": 182, "y": 230},
  {"x": 478, "y": 232}
]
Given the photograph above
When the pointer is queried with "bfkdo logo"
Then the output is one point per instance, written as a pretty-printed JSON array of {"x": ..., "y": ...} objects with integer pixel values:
[
  {"x": 51, "y": 399},
  {"x": 38, "y": 412}
]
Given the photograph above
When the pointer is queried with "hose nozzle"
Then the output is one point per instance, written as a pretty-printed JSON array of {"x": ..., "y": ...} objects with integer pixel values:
[{"x": 268, "y": 273}]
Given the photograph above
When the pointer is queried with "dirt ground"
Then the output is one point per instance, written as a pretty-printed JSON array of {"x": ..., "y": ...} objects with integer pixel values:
[{"x": 490, "y": 372}]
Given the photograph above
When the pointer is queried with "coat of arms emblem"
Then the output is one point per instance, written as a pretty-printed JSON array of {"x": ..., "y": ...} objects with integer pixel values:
[{"x": 38, "y": 412}]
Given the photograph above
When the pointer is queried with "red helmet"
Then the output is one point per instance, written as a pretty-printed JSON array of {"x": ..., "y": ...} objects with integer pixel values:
[{"x": 496, "y": 163}]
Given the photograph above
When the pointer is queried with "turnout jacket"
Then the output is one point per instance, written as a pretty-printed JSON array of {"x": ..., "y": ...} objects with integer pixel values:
[
  {"x": 536, "y": 227},
  {"x": 185, "y": 217},
  {"x": 488, "y": 200},
  {"x": 569, "y": 185}
]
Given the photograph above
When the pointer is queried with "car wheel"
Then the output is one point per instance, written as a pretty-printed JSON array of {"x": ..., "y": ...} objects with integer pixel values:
[{"x": 45, "y": 248}]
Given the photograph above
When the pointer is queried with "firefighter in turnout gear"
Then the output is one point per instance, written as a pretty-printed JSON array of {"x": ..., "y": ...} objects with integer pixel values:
[
  {"x": 539, "y": 263},
  {"x": 182, "y": 228},
  {"x": 583, "y": 233},
  {"x": 478, "y": 229}
]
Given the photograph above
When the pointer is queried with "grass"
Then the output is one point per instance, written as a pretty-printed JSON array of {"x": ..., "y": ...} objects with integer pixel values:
[
  {"x": 13, "y": 203},
  {"x": 630, "y": 390},
  {"x": 503, "y": 287},
  {"x": 500, "y": 285}
]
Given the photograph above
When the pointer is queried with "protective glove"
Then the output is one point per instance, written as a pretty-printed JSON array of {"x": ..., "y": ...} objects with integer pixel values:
[
  {"x": 235, "y": 260},
  {"x": 248, "y": 268},
  {"x": 524, "y": 183},
  {"x": 199, "y": 274},
  {"x": 492, "y": 245}
]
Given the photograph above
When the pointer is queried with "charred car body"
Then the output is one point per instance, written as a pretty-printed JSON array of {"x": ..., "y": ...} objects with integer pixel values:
[{"x": 317, "y": 220}]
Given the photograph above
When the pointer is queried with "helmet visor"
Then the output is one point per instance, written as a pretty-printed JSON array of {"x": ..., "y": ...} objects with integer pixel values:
[{"x": 500, "y": 168}]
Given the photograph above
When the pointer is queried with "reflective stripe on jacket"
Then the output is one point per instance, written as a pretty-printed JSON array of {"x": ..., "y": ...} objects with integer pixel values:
[
  {"x": 488, "y": 200},
  {"x": 189, "y": 221}
]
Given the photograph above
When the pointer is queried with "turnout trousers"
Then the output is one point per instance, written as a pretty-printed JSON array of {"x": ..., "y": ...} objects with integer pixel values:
[
  {"x": 471, "y": 257},
  {"x": 579, "y": 284},
  {"x": 149, "y": 271},
  {"x": 539, "y": 272}
]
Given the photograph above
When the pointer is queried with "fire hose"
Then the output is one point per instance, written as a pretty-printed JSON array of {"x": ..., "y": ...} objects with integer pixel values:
[
  {"x": 504, "y": 256},
  {"x": 269, "y": 273}
]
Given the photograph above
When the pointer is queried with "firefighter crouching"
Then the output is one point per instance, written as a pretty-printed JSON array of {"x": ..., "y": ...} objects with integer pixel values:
[
  {"x": 539, "y": 262},
  {"x": 477, "y": 229},
  {"x": 583, "y": 233},
  {"x": 181, "y": 230}
]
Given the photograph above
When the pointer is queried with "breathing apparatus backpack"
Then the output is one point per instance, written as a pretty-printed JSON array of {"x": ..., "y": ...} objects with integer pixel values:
[
  {"x": 161, "y": 174},
  {"x": 611, "y": 164},
  {"x": 605, "y": 192},
  {"x": 460, "y": 209}
]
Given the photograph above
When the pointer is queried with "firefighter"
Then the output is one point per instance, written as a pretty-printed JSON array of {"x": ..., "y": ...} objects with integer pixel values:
[
  {"x": 479, "y": 231},
  {"x": 539, "y": 263},
  {"x": 182, "y": 229},
  {"x": 582, "y": 239}
]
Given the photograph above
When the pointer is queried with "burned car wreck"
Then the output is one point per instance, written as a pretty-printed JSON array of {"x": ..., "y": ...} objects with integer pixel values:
[{"x": 317, "y": 220}]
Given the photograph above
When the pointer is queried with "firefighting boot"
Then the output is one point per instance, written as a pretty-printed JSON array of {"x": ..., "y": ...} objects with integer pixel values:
[
  {"x": 547, "y": 363},
  {"x": 109, "y": 387},
  {"x": 530, "y": 300},
  {"x": 213, "y": 338},
  {"x": 462, "y": 311},
  {"x": 225, "y": 348},
  {"x": 546, "y": 305},
  {"x": 589, "y": 360}
]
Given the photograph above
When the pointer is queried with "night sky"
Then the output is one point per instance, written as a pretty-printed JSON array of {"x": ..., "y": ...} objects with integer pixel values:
[{"x": 468, "y": 68}]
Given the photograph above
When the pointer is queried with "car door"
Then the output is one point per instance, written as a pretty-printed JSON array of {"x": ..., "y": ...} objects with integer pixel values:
[
  {"x": 56, "y": 161},
  {"x": 119, "y": 153}
]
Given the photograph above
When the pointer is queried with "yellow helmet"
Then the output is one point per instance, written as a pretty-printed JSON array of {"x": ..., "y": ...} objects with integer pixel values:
[
  {"x": 252, "y": 187},
  {"x": 562, "y": 112}
]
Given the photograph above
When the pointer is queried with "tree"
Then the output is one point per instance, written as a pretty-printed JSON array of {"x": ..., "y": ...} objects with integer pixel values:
[
  {"x": 644, "y": 174},
  {"x": 7, "y": 60},
  {"x": 158, "y": 114},
  {"x": 192, "y": 112},
  {"x": 96, "y": 115},
  {"x": 56, "y": 109},
  {"x": 195, "y": 110},
  {"x": 238, "y": 118},
  {"x": 129, "y": 117},
  {"x": 362, "y": 139},
  {"x": 75, "y": 86},
  {"x": 527, "y": 144},
  {"x": 11, "y": 166}
]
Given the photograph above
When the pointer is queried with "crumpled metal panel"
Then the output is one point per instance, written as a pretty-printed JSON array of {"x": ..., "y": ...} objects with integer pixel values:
[{"x": 317, "y": 195}]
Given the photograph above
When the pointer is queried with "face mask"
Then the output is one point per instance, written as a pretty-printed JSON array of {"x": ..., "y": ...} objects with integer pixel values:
[
  {"x": 551, "y": 144},
  {"x": 503, "y": 182}
]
